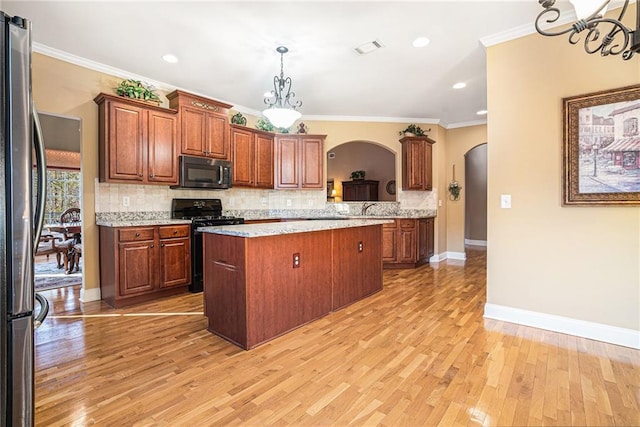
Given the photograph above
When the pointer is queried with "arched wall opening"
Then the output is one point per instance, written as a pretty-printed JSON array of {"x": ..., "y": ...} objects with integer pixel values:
[{"x": 378, "y": 162}]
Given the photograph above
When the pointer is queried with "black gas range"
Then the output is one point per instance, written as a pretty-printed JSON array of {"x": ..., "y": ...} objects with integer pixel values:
[{"x": 202, "y": 213}]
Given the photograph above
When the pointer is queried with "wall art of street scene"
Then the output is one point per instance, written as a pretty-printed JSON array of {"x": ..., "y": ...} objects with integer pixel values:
[{"x": 602, "y": 148}]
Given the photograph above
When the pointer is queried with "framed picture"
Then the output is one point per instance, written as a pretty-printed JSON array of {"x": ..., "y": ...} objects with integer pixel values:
[{"x": 601, "y": 149}]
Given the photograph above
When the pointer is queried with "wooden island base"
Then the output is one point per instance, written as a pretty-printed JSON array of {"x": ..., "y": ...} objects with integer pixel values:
[{"x": 258, "y": 288}]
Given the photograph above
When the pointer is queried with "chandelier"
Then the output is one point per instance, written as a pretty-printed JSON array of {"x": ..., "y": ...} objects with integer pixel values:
[
  {"x": 281, "y": 111},
  {"x": 614, "y": 39}
]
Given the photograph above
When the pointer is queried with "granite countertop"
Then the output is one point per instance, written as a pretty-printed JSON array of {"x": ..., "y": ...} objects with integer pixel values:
[
  {"x": 143, "y": 222},
  {"x": 278, "y": 228}
]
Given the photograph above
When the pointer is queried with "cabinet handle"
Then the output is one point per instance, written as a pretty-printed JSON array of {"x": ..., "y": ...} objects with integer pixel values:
[
  {"x": 175, "y": 231},
  {"x": 152, "y": 246},
  {"x": 140, "y": 175},
  {"x": 137, "y": 234},
  {"x": 151, "y": 176},
  {"x": 162, "y": 245}
]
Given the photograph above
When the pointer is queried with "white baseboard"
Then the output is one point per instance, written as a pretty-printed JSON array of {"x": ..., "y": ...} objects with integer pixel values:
[
  {"x": 448, "y": 255},
  {"x": 457, "y": 255},
  {"x": 564, "y": 325},
  {"x": 92, "y": 294},
  {"x": 475, "y": 242}
]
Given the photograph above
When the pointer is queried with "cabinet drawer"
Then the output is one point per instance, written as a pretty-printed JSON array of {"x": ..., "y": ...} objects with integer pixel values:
[
  {"x": 391, "y": 225},
  {"x": 407, "y": 223},
  {"x": 169, "y": 232},
  {"x": 135, "y": 234}
]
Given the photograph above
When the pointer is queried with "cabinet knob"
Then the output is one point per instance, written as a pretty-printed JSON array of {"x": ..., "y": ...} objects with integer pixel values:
[
  {"x": 140, "y": 175},
  {"x": 162, "y": 245},
  {"x": 151, "y": 176},
  {"x": 175, "y": 231},
  {"x": 152, "y": 246},
  {"x": 137, "y": 234}
]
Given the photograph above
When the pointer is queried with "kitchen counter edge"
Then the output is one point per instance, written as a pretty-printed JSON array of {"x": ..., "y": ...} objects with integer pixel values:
[{"x": 278, "y": 228}]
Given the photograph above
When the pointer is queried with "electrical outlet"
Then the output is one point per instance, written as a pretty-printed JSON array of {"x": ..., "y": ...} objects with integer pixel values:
[
  {"x": 126, "y": 201},
  {"x": 289, "y": 202},
  {"x": 505, "y": 201},
  {"x": 439, "y": 202}
]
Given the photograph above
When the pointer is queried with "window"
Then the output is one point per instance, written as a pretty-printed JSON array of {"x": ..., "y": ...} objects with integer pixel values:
[
  {"x": 630, "y": 127},
  {"x": 63, "y": 192}
]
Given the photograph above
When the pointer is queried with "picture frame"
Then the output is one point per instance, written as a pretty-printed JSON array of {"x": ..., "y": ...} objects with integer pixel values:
[{"x": 601, "y": 148}]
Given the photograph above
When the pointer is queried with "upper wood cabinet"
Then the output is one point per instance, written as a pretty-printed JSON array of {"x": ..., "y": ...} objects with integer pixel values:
[
  {"x": 204, "y": 125},
  {"x": 138, "y": 142},
  {"x": 299, "y": 161},
  {"x": 252, "y": 157},
  {"x": 417, "y": 163}
]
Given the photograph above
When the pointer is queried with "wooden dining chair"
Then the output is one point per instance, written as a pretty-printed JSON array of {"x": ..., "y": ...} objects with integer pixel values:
[
  {"x": 71, "y": 215},
  {"x": 50, "y": 244}
]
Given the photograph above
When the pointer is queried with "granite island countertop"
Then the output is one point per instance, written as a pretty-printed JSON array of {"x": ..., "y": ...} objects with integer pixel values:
[
  {"x": 278, "y": 228},
  {"x": 143, "y": 222}
]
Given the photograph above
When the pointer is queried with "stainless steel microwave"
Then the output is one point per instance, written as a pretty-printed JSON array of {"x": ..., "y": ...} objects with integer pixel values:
[{"x": 201, "y": 172}]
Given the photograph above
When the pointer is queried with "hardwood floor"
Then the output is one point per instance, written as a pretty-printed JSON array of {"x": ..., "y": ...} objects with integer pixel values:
[{"x": 419, "y": 353}]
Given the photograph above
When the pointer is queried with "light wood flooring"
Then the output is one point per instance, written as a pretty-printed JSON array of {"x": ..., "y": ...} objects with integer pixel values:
[{"x": 419, "y": 353}]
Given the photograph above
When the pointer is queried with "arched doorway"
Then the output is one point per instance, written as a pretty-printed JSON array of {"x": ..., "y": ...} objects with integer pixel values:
[
  {"x": 475, "y": 209},
  {"x": 378, "y": 162}
]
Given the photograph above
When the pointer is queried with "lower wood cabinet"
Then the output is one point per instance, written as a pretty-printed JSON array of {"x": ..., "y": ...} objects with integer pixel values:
[
  {"x": 360, "y": 190},
  {"x": 256, "y": 289},
  {"x": 143, "y": 263},
  {"x": 408, "y": 242}
]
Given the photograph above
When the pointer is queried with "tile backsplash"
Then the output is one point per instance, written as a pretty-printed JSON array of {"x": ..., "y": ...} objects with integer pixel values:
[{"x": 157, "y": 198}]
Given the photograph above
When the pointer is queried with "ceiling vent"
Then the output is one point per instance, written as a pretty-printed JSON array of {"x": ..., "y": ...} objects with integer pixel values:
[{"x": 369, "y": 47}]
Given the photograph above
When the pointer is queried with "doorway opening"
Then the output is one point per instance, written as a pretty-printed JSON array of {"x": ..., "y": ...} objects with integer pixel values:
[
  {"x": 60, "y": 266},
  {"x": 475, "y": 208}
]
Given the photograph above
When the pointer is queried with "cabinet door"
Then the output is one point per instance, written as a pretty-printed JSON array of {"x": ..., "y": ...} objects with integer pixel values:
[
  {"x": 242, "y": 157},
  {"x": 193, "y": 132},
  {"x": 312, "y": 162},
  {"x": 407, "y": 245},
  {"x": 430, "y": 237},
  {"x": 413, "y": 165},
  {"x": 162, "y": 149},
  {"x": 137, "y": 264},
  {"x": 348, "y": 192},
  {"x": 287, "y": 154},
  {"x": 175, "y": 262},
  {"x": 263, "y": 161},
  {"x": 422, "y": 239},
  {"x": 389, "y": 242},
  {"x": 217, "y": 142},
  {"x": 126, "y": 142},
  {"x": 428, "y": 166}
]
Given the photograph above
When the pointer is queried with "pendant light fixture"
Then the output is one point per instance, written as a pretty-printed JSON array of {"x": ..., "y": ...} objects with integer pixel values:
[
  {"x": 282, "y": 107},
  {"x": 615, "y": 38}
]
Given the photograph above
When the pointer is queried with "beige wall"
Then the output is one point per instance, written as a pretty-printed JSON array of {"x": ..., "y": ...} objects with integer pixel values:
[
  {"x": 66, "y": 89},
  {"x": 459, "y": 142},
  {"x": 577, "y": 262}
]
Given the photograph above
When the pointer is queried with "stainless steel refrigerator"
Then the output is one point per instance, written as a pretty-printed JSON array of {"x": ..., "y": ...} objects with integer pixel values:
[{"x": 21, "y": 217}]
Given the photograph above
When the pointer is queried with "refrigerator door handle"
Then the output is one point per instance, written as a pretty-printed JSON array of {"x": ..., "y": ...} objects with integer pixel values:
[
  {"x": 41, "y": 165},
  {"x": 44, "y": 310}
]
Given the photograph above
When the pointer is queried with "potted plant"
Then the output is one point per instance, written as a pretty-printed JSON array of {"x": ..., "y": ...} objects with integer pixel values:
[
  {"x": 137, "y": 90},
  {"x": 239, "y": 119},
  {"x": 412, "y": 130},
  {"x": 357, "y": 175}
]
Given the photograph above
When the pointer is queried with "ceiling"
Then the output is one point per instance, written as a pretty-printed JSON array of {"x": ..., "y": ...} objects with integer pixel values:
[{"x": 226, "y": 50}]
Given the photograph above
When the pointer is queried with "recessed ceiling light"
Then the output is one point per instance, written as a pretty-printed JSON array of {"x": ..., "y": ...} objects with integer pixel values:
[
  {"x": 171, "y": 59},
  {"x": 421, "y": 42},
  {"x": 459, "y": 85},
  {"x": 481, "y": 112},
  {"x": 369, "y": 47}
]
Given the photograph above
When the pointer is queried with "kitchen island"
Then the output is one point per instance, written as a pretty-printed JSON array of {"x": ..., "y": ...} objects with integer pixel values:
[{"x": 263, "y": 280}]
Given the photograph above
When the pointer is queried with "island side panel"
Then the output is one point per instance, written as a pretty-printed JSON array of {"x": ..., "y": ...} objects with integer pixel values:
[
  {"x": 283, "y": 296},
  {"x": 224, "y": 287},
  {"x": 357, "y": 264}
]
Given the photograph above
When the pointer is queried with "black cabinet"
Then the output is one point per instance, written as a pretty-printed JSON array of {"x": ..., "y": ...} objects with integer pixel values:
[{"x": 360, "y": 190}]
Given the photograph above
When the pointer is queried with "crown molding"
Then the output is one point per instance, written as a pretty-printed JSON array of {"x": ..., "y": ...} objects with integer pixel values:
[
  {"x": 416, "y": 120},
  {"x": 466, "y": 124}
]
